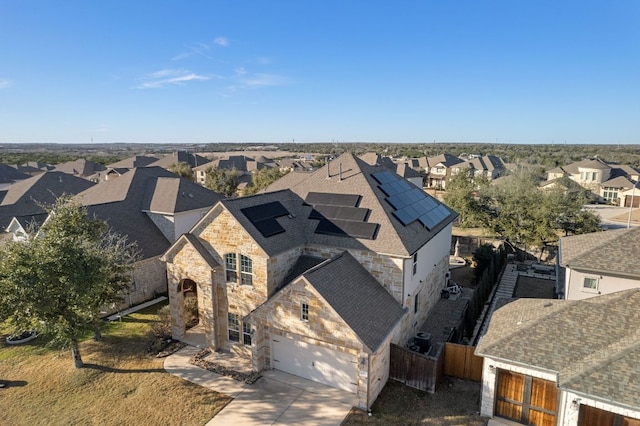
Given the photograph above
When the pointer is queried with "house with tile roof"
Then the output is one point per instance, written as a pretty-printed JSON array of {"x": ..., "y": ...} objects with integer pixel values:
[
  {"x": 317, "y": 275},
  {"x": 599, "y": 263},
  {"x": 563, "y": 362}
]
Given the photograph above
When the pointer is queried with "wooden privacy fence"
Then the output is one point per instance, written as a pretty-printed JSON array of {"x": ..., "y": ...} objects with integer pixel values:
[
  {"x": 461, "y": 362},
  {"x": 414, "y": 369}
]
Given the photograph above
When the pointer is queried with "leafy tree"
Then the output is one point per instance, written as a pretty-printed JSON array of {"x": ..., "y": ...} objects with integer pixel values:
[
  {"x": 470, "y": 198},
  {"x": 59, "y": 278},
  {"x": 482, "y": 259},
  {"x": 263, "y": 178},
  {"x": 222, "y": 181},
  {"x": 182, "y": 169}
]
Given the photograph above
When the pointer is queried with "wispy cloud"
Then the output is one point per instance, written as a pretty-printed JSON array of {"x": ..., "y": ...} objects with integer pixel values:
[
  {"x": 221, "y": 41},
  {"x": 4, "y": 83},
  {"x": 264, "y": 80},
  {"x": 169, "y": 77}
]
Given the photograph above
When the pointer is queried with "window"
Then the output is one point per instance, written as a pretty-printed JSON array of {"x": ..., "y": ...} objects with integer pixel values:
[
  {"x": 590, "y": 284},
  {"x": 246, "y": 333},
  {"x": 230, "y": 266},
  {"x": 246, "y": 270},
  {"x": 304, "y": 312},
  {"x": 415, "y": 304},
  {"x": 415, "y": 263},
  {"x": 234, "y": 327}
]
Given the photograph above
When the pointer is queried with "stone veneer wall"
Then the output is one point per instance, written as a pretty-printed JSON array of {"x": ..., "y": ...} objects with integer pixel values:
[
  {"x": 379, "y": 370},
  {"x": 385, "y": 269},
  {"x": 150, "y": 280}
]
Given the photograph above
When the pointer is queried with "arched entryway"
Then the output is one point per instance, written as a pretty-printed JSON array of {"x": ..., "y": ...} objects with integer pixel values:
[{"x": 189, "y": 290}]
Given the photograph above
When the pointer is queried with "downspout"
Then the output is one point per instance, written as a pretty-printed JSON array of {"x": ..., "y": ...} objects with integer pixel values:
[{"x": 214, "y": 303}]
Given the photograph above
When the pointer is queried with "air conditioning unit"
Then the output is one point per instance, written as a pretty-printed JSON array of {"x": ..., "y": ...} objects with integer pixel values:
[
  {"x": 414, "y": 348},
  {"x": 423, "y": 341}
]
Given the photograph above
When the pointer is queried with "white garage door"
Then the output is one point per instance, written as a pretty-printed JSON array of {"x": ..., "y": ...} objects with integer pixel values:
[{"x": 332, "y": 368}]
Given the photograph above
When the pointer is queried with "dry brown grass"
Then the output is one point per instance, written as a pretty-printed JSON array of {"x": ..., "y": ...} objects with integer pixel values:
[
  {"x": 456, "y": 402},
  {"x": 635, "y": 216},
  {"x": 118, "y": 386}
]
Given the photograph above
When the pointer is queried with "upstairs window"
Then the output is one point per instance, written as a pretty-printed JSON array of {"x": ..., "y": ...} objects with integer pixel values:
[
  {"x": 304, "y": 312},
  {"x": 246, "y": 270},
  {"x": 230, "y": 267},
  {"x": 234, "y": 327},
  {"x": 590, "y": 284},
  {"x": 415, "y": 263}
]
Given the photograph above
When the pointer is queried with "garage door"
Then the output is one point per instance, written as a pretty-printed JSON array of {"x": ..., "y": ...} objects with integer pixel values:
[{"x": 332, "y": 368}]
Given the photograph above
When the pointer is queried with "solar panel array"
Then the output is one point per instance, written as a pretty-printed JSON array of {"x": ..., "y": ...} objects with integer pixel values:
[
  {"x": 410, "y": 203},
  {"x": 339, "y": 215},
  {"x": 263, "y": 217}
]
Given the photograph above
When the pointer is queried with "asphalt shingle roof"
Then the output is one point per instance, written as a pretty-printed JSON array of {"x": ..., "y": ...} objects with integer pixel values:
[
  {"x": 614, "y": 252},
  {"x": 593, "y": 344},
  {"x": 26, "y": 196},
  {"x": 357, "y": 297},
  {"x": 356, "y": 178}
]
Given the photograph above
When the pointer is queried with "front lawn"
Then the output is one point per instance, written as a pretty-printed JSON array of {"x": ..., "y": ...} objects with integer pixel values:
[{"x": 120, "y": 385}]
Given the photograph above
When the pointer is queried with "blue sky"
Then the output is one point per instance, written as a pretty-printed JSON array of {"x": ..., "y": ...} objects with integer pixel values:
[{"x": 510, "y": 71}]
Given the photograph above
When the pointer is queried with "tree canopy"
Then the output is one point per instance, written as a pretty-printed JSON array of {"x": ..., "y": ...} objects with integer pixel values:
[
  {"x": 263, "y": 178},
  {"x": 182, "y": 169},
  {"x": 519, "y": 211},
  {"x": 222, "y": 181},
  {"x": 63, "y": 274}
]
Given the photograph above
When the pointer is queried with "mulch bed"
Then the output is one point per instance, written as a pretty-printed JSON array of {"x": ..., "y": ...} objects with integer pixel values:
[{"x": 199, "y": 360}]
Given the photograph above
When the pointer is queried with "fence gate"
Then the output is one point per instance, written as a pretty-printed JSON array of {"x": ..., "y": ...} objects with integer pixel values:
[{"x": 461, "y": 362}]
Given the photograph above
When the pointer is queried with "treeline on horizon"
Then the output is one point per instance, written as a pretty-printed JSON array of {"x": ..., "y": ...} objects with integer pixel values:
[{"x": 545, "y": 156}]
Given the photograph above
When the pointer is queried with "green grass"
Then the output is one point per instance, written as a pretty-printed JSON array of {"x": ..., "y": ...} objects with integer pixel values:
[{"x": 118, "y": 386}]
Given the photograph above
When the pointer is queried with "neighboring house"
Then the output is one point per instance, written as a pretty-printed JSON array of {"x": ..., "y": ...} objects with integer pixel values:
[
  {"x": 609, "y": 182},
  {"x": 80, "y": 167},
  {"x": 151, "y": 207},
  {"x": 403, "y": 168},
  {"x": 10, "y": 175},
  {"x": 563, "y": 362},
  {"x": 599, "y": 263},
  {"x": 241, "y": 163},
  {"x": 21, "y": 226},
  {"x": 27, "y": 196},
  {"x": 318, "y": 276},
  {"x": 440, "y": 169},
  {"x": 33, "y": 168},
  {"x": 489, "y": 166},
  {"x": 166, "y": 161}
]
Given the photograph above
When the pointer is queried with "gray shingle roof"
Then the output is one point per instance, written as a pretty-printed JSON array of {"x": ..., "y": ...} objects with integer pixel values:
[
  {"x": 593, "y": 344},
  {"x": 80, "y": 167},
  {"x": 24, "y": 197},
  {"x": 614, "y": 252},
  {"x": 10, "y": 174},
  {"x": 392, "y": 236},
  {"x": 357, "y": 297},
  {"x": 123, "y": 203},
  {"x": 618, "y": 182},
  {"x": 133, "y": 162},
  {"x": 446, "y": 159}
]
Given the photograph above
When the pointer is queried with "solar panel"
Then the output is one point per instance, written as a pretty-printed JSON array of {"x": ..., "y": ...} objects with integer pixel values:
[
  {"x": 269, "y": 227},
  {"x": 428, "y": 221},
  {"x": 384, "y": 177},
  {"x": 397, "y": 201},
  {"x": 329, "y": 199},
  {"x": 264, "y": 211},
  {"x": 338, "y": 212},
  {"x": 403, "y": 217},
  {"x": 344, "y": 228}
]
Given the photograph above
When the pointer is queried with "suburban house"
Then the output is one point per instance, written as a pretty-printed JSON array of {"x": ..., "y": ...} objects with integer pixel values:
[
  {"x": 151, "y": 207},
  {"x": 25, "y": 197},
  {"x": 317, "y": 276},
  {"x": 489, "y": 166},
  {"x": 563, "y": 362},
  {"x": 598, "y": 263},
  {"x": 603, "y": 179},
  {"x": 80, "y": 167},
  {"x": 440, "y": 169}
]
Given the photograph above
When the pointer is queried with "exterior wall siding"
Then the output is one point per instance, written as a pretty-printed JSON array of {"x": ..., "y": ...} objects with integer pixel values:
[
  {"x": 165, "y": 224},
  {"x": 606, "y": 284}
]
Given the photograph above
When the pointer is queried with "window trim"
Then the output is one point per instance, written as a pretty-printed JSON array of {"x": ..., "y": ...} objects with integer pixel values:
[
  {"x": 415, "y": 263},
  {"x": 233, "y": 327},
  {"x": 595, "y": 289},
  {"x": 304, "y": 312},
  {"x": 246, "y": 276},
  {"x": 228, "y": 271}
]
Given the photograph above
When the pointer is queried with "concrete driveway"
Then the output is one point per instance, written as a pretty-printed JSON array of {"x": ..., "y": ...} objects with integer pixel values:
[{"x": 277, "y": 398}]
